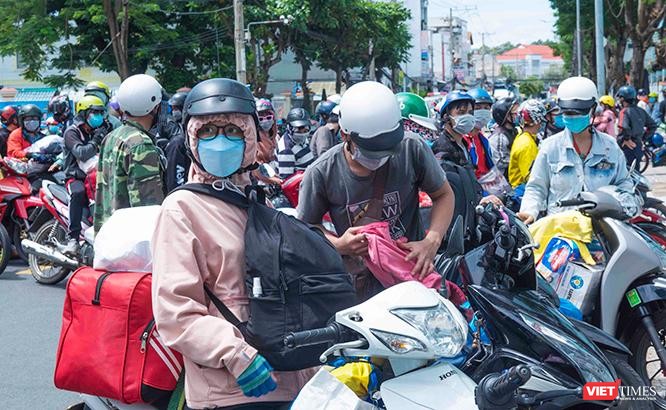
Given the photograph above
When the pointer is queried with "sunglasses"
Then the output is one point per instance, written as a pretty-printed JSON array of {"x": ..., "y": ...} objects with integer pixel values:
[
  {"x": 267, "y": 117},
  {"x": 210, "y": 131}
]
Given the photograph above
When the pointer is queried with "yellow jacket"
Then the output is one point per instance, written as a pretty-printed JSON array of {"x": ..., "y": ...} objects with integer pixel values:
[{"x": 523, "y": 153}]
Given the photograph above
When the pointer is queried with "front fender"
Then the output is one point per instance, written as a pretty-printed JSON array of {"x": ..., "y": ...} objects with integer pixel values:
[
  {"x": 602, "y": 339},
  {"x": 649, "y": 292}
]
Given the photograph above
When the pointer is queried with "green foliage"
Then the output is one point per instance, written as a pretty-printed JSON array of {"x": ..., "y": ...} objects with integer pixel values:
[
  {"x": 508, "y": 72},
  {"x": 531, "y": 87}
]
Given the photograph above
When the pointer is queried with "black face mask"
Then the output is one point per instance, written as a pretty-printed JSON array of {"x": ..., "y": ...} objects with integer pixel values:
[{"x": 177, "y": 115}]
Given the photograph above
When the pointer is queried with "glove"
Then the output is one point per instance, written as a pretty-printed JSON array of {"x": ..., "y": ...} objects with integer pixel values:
[
  {"x": 98, "y": 136},
  {"x": 256, "y": 380}
]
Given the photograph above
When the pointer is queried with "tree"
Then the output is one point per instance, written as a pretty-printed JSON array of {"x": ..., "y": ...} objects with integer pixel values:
[
  {"x": 531, "y": 87},
  {"x": 642, "y": 19},
  {"x": 508, "y": 72}
]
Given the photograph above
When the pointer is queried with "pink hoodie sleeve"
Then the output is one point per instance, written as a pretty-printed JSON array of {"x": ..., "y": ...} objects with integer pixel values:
[{"x": 180, "y": 304}]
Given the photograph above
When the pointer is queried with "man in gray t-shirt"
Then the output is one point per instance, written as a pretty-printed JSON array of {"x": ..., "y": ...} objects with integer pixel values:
[{"x": 341, "y": 180}]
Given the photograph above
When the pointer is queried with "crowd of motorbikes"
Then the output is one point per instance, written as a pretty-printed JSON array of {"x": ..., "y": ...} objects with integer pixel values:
[{"x": 518, "y": 351}]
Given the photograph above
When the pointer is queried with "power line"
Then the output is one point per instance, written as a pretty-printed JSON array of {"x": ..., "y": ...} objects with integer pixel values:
[{"x": 195, "y": 13}]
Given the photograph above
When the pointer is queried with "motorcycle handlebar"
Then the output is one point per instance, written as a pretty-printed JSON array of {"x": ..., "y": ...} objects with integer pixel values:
[
  {"x": 329, "y": 334},
  {"x": 572, "y": 202},
  {"x": 497, "y": 390}
]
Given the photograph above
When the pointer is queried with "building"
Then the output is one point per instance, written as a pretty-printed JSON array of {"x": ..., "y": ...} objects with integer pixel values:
[
  {"x": 452, "y": 48},
  {"x": 485, "y": 64},
  {"x": 531, "y": 61}
]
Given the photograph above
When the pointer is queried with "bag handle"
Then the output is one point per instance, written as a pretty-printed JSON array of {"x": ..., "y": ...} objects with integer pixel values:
[{"x": 226, "y": 313}]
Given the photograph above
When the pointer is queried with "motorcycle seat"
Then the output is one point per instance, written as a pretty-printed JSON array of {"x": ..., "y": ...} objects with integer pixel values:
[{"x": 60, "y": 193}]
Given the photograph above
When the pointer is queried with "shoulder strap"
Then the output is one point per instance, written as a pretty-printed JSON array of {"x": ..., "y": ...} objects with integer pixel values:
[
  {"x": 376, "y": 203},
  {"x": 225, "y": 195},
  {"x": 226, "y": 313}
]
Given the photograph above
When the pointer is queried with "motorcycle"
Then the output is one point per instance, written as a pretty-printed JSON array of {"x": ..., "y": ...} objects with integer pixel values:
[
  {"x": 21, "y": 212},
  {"x": 629, "y": 300},
  {"x": 48, "y": 264},
  {"x": 521, "y": 313}
]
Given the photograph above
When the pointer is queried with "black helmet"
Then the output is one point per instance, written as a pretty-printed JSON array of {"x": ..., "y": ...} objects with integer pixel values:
[
  {"x": 219, "y": 96},
  {"x": 29, "y": 110},
  {"x": 324, "y": 109},
  {"x": 641, "y": 92},
  {"x": 502, "y": 108},
  {"x": 298, "y": 117},
  {"x": 61, "y": 108},
  {"x": 178, "y": 100},
  {"x": 551, "y": 106},
  {"x": 627, "y": 92}
]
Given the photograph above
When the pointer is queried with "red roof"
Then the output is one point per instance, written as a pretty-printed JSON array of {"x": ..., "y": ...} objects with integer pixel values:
[{"x": 520, "y": 52}]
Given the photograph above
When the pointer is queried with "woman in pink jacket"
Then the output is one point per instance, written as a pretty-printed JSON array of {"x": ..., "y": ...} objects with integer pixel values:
[
  {"x": 606, "y": 121},
  {"x": 200, "y": 240}
]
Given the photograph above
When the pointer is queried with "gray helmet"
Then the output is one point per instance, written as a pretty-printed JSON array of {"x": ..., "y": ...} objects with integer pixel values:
[
  {"x": 28, "y": 110},
  {"x": 298, "y": 117},
  {"x": 178, "y": 100},
  {"x": 219, "y": 96}
]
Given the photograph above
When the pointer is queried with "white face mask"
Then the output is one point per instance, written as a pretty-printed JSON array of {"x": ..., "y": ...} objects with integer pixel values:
[
  {"x": 370, "y": 163},
  {"x": 463, "y": 124},
  {"x": 482, "y": 117},
  {"x": 300, "y": 137}
]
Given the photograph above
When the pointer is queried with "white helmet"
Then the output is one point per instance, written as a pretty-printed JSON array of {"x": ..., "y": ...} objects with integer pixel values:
[
  {"x": 577, "y": 93},
  {"x": 370, "y": 115},
  {"x": 334, "y": 98},
  {"x": 139, "y": 94}
]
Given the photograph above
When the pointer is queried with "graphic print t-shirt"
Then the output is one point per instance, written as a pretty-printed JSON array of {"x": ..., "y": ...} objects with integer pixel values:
[{"x": 330, "y": 186}]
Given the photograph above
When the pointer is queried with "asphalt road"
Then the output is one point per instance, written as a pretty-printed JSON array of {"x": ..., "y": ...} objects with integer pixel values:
[
  {"x": 30, "y": 316},
  {"x": 30, "y": 319}
]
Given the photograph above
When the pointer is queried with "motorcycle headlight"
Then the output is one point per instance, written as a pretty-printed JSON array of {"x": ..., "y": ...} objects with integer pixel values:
[
  {"x": 443, "y": 326},
  {"x": 398, "y": 343},
  {"x": 590, "y": 367}
]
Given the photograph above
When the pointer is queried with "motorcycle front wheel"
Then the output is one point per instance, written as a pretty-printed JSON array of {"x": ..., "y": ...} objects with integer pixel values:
[
  {"x": 5, "y": 248},
  {"x": 645, "y": 161},
  {"x": 45, "y": 271},
  {"x": 644, "y": 358}
]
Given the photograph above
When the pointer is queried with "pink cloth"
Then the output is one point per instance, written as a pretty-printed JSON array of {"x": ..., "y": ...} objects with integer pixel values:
[
  {"x": 606, "y": 122},
  {"x": 386, "y": 260}
]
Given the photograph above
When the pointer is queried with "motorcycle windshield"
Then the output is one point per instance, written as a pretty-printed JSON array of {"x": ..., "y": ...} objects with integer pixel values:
[{"x": 524, "y": 322}]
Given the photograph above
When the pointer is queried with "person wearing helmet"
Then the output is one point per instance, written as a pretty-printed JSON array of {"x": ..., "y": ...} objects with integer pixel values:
[
  {"x": 477, "y": 143},
  {"x": 501, "y": 140},
  {"x": 377, "y": 156},
  {"x": 53, "y": 127},
  {"x": 81, "y": 148},
  {"x": 296, "y": 154},
  {"x": 416, "y": 117},
  {"x": 200, "y": 240},
  {"x": 266, "y": 150},
  {"x": 103, "y": 92},
  {"x": 554, "y": 123},
  {"x": 531, "y": 114},
  {"x": 130, "y": 166},
  {"x": 662, "y": 107},
  {"x": 654, "y": 106},
  {"x": 578, "y": 159},
  {"x": 30, "y": 120},
  {"x": 326, "y": 136},
  {"x": 456, "y": 121},
  {"x": 634, "y": 126},
  {"x": 642, "y": 97},
  {"x": 61, "y": 109},
  {"x": 9, "y": 119},
  {"x": 178, "y": 162},
  {"x": 605, "y": 121}
]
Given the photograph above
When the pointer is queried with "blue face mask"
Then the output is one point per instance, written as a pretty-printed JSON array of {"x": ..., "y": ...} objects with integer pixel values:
[
  {"x": 95, "y": 120},
  {"x": 558, "y": 121},
  {"x": 53, "y": 129},
  {"x": 576, "y": 123},
  {"x": 221, "y": 156}
]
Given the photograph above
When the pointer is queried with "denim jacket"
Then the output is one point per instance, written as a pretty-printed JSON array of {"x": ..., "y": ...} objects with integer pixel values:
[{"x": 559, "y": 173}]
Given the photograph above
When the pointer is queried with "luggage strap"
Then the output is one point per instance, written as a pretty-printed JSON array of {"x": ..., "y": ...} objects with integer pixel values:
[{"x": 226, "y": 313}]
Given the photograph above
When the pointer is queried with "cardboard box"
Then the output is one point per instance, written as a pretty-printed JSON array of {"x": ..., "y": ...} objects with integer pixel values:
[{"x": 579, "y": 283}]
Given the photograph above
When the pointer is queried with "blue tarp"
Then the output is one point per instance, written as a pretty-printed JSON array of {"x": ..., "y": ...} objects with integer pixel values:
[{"x": 39, "y": 96}]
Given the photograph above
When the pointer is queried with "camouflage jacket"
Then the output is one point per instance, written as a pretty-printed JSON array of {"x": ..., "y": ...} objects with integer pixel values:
[{"x": 129, "y": 172}]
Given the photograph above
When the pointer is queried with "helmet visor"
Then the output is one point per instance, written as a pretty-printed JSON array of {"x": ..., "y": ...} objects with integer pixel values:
[{"x": 381, "y": 145}]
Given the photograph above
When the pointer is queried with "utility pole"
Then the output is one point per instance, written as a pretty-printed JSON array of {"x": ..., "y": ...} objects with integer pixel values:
[
  {"x": 239, "y": 40},
  {"x": 579, "y": 48},
  {"x": 453, "y": 75},
  {"x": 483, "y": 55},
  {"x": 599, "y": 45}
]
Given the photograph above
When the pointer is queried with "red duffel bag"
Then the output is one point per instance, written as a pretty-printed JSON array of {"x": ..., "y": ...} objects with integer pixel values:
[{"x": 108, "y": 345}]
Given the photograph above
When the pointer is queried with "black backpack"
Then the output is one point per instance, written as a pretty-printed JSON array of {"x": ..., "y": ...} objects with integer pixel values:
[
  {"x": 302, "y": 276},
  {"x": 468, "y": 193}
]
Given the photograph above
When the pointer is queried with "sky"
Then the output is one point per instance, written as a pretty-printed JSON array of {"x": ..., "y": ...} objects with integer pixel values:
[{"x": 517, "y": 21}]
